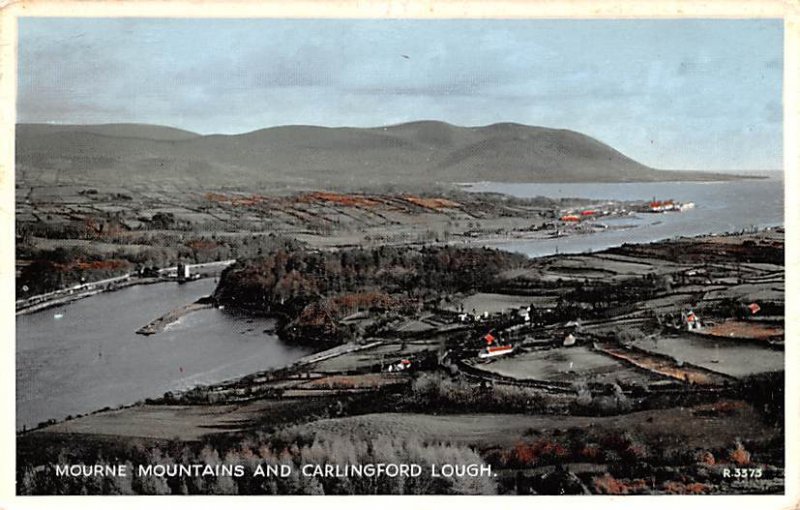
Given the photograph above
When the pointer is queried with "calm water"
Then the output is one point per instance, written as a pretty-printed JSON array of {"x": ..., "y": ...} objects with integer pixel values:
[
  {"x": 719, "y": 207},
  {"x": 92, "y": 357}
]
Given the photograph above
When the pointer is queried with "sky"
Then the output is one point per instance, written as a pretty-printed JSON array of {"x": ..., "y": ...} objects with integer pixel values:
[{"x": 673, "y": 94}]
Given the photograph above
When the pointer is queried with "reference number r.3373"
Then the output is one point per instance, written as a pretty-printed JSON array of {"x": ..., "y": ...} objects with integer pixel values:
[{"x": 742, "y": 473}]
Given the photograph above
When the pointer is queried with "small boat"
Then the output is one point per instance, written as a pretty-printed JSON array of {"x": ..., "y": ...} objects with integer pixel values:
[{"x": 58, "y": 315}]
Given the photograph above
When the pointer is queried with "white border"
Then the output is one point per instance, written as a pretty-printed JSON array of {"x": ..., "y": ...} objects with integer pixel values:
[{"x": 788, "y": 10}]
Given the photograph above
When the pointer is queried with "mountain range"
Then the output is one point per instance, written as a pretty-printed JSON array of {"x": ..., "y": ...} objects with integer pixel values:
[{"x": 415, "y": 153}]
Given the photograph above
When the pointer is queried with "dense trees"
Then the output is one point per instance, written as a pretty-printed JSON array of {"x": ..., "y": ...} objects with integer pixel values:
[
  {"x": 282, "y": 276},
  {"x": 312, "y": 290}
]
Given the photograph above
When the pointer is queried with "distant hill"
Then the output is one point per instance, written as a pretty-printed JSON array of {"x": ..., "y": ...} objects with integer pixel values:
[
  {"x": 143, "y": 131},
  {"x": 413, "y": 153}
]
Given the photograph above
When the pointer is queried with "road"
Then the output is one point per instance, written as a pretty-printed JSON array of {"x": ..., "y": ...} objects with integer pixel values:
[
  {"x": 89, "y": 288},
  {"x": 48, "y": 299}
]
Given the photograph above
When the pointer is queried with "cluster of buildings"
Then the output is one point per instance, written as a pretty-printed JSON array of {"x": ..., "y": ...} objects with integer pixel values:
[
  {"x": 653, "y": 206},
  {"x": 580, "y": 215},
  {"x": 660, "y": 206}
]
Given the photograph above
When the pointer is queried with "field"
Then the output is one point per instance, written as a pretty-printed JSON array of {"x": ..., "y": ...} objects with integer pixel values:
[
  {"x": 65, "y": 229},
  {"x": 567, "y": 365},
  {"x": 739, "y": 329},
  {"x": 379, "y": 355},
  {"x": 188, "y": 423},
  {"x": 690, "y": 427},
  {"x": 722, "y": 356},
  {"x": 494, "y": 303}
]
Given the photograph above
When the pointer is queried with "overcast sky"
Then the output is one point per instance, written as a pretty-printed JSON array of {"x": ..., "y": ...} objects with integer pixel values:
[{"x": 685, "y": 94}]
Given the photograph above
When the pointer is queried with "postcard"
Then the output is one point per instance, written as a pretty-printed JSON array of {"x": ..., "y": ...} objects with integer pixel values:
[{"x": 384, "y": 254}]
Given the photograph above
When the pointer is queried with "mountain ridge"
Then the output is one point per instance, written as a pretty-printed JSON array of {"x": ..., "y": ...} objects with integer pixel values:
[{"x": 418, "y": 153}]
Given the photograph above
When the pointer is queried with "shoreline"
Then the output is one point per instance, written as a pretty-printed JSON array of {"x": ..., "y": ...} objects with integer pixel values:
[{"x": 71, "y": 298}]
